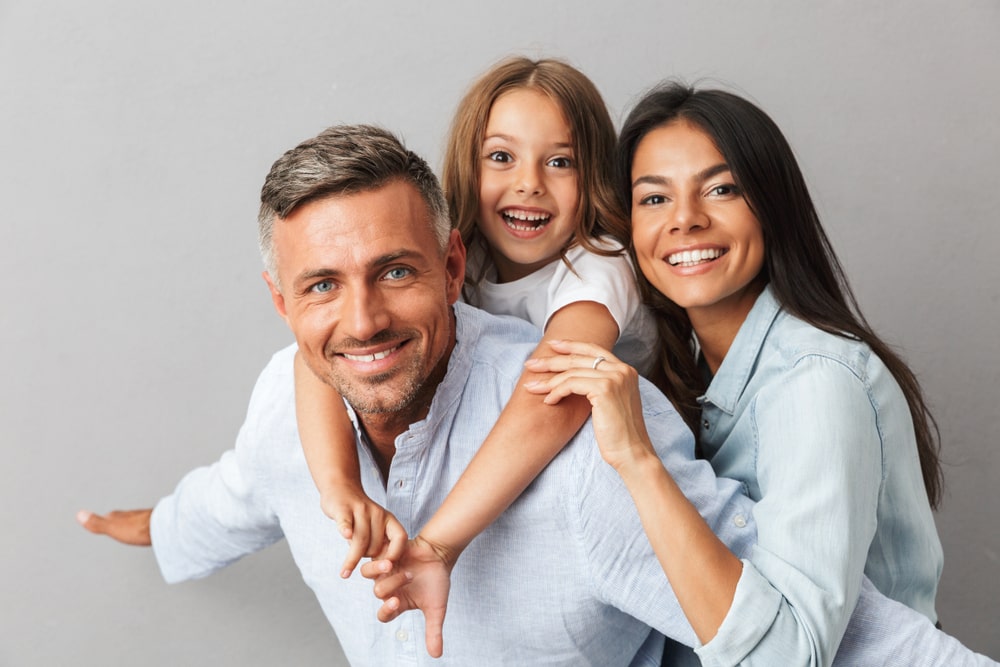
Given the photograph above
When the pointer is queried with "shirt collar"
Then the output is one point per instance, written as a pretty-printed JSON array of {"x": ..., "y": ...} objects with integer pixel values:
[{"x": 734, "y": 373}]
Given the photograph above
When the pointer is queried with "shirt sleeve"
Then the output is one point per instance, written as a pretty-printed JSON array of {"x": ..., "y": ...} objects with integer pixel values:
[
  {"x": 606, "y": 280},
  {"x": 819, "y": 467},
  {"x": 623, "y": 566},
  {"x": 220, "y": 513}
]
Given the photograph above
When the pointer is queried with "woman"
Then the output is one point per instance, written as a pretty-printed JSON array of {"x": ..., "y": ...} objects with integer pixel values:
[{"x": 785, "y": 385}]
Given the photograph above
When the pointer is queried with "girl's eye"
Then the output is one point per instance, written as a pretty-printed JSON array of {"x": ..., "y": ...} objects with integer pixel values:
[
  {"x": 322, "y": 287},
  {"x": 499, "y": 156},
  {"x": 397, "y": 273},
  {"x": 560, "y": 162}
]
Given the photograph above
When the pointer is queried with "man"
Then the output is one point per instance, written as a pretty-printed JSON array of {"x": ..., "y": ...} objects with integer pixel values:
[{"x": 363, "y": 267}]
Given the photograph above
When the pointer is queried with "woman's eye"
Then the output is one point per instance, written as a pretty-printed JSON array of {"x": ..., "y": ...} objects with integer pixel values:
[
  {"x": 652, "y": 200},
  {"x": 397, "y": 274},
  {"x": 499, "y": 156},
  {"x": 322, "y": 287},
  {"x": 723, "y": 190},
  {"x": 560, "y": 162}
]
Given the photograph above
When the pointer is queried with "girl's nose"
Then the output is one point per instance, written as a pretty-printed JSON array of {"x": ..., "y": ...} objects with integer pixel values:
[{"x": 529, "y": 180}]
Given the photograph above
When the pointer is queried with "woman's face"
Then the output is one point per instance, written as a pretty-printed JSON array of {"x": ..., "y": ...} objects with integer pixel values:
[{"x": 695, "y": 237}]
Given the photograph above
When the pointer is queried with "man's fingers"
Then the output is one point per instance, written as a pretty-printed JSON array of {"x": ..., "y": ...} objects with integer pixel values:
[
  {"x": 128, "y": 527},
  {"x": 91, "y": 521}
]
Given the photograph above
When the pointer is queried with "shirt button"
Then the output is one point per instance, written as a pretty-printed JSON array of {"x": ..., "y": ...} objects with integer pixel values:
[
  {"x": 402, "y": 635},
  {"x": 739, "y": 521},
  {"x": 705, "y": 424}
]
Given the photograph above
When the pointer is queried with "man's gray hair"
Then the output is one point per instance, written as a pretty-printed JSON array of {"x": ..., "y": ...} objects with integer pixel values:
[{"x": 344, "y": 160}]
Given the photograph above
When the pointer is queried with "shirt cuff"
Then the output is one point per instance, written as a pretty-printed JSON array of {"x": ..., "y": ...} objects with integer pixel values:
[{"x": 755, "y": 606}]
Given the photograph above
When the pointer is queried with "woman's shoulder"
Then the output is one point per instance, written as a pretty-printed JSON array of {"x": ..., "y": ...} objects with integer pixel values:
[{"x": 793, "y": 341}]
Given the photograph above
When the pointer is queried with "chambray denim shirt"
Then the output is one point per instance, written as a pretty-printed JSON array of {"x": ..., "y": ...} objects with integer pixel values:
[
  {"x": 819, "y": 432},
  {"x": 564, "y": 577}
]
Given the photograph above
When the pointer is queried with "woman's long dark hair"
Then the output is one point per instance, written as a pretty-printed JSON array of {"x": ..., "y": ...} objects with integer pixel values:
[{"x": 799, "y": 262}]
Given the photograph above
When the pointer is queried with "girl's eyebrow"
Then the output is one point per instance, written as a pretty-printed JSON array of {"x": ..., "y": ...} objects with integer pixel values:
[
  {"x": 509, "y": 139},
  {"x": 703, "y": 175}
]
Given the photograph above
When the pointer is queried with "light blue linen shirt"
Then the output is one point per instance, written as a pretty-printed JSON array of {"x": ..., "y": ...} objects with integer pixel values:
[
  {"x": 819, "y": 432},
  {"x": 564, "y": 577}
]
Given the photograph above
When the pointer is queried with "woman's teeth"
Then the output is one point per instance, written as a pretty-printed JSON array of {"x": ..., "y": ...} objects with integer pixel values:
[{"x": 693, "y": 257}]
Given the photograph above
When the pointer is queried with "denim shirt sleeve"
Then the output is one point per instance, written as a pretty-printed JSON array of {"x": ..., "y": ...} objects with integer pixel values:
[{"x": 819, "y": 466}]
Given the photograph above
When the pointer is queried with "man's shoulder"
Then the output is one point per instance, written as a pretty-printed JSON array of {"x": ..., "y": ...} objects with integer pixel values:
[
  {"x": 500, "y": 340},
  {"x": 274, "y": 392}
]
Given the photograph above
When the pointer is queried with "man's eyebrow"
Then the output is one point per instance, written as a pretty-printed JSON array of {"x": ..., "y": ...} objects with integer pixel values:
[
  {"x": 328, "y": 272},
  {"x": 702, "y": 175}
]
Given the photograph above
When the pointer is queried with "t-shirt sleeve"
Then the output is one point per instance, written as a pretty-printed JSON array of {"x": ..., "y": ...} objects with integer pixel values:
[{"x": 608, "y": 281}]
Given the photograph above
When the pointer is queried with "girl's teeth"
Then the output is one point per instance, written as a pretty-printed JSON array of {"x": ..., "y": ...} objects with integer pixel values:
[
  {"x": 693, "y": 257},
  {"x": 515, "y": 220}
]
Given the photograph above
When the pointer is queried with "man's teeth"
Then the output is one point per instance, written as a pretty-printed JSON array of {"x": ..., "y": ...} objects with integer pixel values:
[
  {"x": 370, "y": 357},
  {"x": 516, "y": 218},
  {"x": 693, "y": 257}
]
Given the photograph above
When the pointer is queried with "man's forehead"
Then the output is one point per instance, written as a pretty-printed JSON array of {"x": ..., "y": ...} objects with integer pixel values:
[{"x": 361, "y": 228}]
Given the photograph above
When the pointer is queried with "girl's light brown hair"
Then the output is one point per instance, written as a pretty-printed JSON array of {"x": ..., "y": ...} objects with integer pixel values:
[{"x": 592, "y": 132}]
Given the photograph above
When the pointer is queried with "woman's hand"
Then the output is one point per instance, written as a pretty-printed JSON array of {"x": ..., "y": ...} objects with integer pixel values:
[{"x": 612, "y": 388}]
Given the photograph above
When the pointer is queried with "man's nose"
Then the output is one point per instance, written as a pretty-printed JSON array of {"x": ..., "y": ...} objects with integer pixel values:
[{"x": 364, "y": 312}]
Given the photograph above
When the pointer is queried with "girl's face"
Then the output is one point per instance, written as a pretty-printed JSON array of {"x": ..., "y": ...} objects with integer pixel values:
[
  {"x": 695, "y": 237},
  {"x": 528, "y": 189}
]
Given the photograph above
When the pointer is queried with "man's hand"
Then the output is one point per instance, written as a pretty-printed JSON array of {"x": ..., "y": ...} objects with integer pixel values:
[
  {"x": 370, "y": 528},
  {"x": 420, "y": 579},
  {"x": 128, "y": 526}
]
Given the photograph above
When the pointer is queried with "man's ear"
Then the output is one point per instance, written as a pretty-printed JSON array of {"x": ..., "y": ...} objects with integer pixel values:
[
  {"x": 276, "y": 297},
  {"x": 455, "y": 266}
]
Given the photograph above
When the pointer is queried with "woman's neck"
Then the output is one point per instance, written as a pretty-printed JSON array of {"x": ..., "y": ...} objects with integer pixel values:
[{"x": 716, "y": 326}]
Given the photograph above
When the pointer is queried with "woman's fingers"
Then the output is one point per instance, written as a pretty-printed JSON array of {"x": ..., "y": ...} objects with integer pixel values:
[{"x": 570, "y": 355}]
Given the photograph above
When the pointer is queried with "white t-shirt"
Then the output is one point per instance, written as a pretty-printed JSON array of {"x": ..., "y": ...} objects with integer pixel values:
[{"x": 608, "y": 281}]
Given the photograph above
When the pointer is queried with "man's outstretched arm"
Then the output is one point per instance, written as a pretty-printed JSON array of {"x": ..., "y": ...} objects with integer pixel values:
[{"x": 126, "y": 526}]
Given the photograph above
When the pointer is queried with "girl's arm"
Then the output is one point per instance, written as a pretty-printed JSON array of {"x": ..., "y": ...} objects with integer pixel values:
[
  {"x": 526, "y": 437},
  {"x": 702, "y": 571},
  {"x": 329, "y": 445}
]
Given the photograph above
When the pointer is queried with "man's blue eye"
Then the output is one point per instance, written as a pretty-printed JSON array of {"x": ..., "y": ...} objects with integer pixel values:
[
  {"x": 397, "y": 274},
  {"x": 322, "y": 287}
]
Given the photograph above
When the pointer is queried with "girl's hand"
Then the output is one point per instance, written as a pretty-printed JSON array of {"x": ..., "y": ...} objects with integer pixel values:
[
  {"x": 611, "y": 386},
  {"x": 370, "y": 528},
  {"x": 421, "y": 579}
]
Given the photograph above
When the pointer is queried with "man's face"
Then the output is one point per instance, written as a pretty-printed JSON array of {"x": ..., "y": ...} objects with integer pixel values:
[{"x": 367, "y": 291}]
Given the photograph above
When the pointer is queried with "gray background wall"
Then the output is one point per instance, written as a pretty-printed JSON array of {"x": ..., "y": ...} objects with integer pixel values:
[{"x": 133, "y": 141}]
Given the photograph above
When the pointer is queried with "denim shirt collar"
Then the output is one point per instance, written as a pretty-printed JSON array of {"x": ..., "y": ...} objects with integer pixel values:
[{"x": 734, "y": 373}]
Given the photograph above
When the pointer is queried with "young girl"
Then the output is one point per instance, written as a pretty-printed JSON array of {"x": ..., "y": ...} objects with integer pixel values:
[
  {"x": 790, "y": 390},
  {"x": 528, "y": 175}
]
